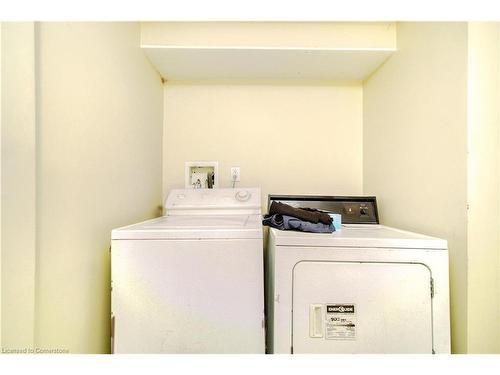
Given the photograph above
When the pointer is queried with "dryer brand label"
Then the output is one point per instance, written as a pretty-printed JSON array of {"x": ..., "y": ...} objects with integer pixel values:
[
  {"x": 346, "y": 309},
  {"x": 340, "y": 322}
]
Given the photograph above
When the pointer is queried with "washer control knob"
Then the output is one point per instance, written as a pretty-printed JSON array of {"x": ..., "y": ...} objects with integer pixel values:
[{"x": 243, "y": 195}]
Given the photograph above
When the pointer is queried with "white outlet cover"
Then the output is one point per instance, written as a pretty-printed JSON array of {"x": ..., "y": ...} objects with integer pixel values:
[{"x": 235, "y": 171}]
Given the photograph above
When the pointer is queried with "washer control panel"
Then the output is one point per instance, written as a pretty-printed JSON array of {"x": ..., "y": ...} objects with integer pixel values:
[{"x": 239, "y": 198}]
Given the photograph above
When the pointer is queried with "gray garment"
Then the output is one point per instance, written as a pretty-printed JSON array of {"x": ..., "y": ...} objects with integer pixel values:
[{"x": 284, "y": 222}]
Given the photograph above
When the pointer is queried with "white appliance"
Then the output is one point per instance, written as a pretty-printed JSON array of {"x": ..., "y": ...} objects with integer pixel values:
[
  {"x": 191, "y": 281},
  {"x": 366, "y": 288}
]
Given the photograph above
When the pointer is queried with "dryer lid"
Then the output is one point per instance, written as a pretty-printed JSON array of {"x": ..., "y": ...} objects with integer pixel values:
[{"x": 359, "y": 236}]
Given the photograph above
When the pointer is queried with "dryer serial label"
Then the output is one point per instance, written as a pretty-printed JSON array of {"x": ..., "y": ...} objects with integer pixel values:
[{"x": 340, "y": 322}]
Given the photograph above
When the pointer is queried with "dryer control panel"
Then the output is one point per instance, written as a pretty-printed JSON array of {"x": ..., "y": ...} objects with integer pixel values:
[{"x": 354, "y": 210}]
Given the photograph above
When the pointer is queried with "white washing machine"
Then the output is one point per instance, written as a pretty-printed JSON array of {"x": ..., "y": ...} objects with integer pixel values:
[
  {"x": 191, "y": 281},
  {"x": 365, "y": 288}
]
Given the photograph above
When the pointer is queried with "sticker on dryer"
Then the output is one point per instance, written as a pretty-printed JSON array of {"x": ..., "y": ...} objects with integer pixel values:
[{"x": 340, "y": 322}]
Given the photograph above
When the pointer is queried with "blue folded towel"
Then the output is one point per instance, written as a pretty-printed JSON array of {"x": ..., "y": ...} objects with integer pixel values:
[{"x": 337, "y": 221}]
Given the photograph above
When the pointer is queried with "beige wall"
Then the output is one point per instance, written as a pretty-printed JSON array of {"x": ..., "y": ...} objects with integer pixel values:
[
  {"x": 1, "y": 47},
  {"x": 287, "y": 139},
  {"x": 415, "y": 143},
  {"x": 18, "y": 193},
  {"x": 99, "y": 166},
  {"x": 482, "y": 169}
]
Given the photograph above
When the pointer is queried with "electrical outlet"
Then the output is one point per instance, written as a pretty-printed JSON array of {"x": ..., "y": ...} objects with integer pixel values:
[{"x": 235, "y": 174}]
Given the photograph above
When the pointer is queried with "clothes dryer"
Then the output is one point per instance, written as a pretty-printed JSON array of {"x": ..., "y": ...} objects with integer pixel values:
[{"x": 366, "y": 288}]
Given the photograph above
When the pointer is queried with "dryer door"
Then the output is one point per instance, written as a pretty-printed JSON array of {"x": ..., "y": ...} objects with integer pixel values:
[{"x": 347, "y": 307}]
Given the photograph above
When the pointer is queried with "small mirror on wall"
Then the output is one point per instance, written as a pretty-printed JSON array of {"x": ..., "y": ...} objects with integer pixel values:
[{"x": 201, "y": 175}]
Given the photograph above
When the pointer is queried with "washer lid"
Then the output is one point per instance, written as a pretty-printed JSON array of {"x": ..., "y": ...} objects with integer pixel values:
[
  {"x": 363, "y": 235},
  {"x": 193, "y": 227}
]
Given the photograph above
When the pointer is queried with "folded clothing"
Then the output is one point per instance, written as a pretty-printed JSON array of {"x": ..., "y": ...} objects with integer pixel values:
[
  {"x": 285, "y": 222},
  {"x": 311, "y": 215}
]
